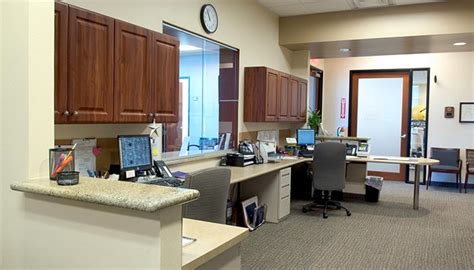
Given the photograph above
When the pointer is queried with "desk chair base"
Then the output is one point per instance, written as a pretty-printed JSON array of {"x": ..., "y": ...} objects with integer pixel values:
[{"x": 325, "y": 203}]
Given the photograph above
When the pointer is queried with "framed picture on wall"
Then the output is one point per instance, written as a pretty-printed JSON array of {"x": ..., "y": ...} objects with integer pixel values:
[{"x": 466, "y": 112}]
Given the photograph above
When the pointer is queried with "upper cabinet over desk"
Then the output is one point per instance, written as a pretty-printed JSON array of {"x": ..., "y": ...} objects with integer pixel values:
[
  {"x": 274, "y": 96},
  {"x": 110, "y": 71}
]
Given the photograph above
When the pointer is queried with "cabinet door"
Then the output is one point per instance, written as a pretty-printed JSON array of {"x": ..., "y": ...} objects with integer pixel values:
[
  {"x": 293, "y": 99},
  {"x": 60, "y": 62},
  {"x": 283, "y": 91},
  {"x": 132, "y": 90},
  {"x": 271, "y": 106},
  {"x": 90, "y": 78},
  {"x": 302, "y": 97},
  {"x": 165, "y": 78}
]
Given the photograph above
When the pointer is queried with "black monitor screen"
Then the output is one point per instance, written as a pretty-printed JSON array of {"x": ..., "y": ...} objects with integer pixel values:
[
  {"x": 135, "y": 152},
  {"x": 305, "y": 136}
]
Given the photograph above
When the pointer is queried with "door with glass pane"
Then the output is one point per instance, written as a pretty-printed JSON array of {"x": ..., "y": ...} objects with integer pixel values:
[{"x": 380, "y": 111}]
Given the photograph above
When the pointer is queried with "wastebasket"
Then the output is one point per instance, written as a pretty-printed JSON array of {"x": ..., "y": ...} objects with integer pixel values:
[{"x": 373, "y": 185}]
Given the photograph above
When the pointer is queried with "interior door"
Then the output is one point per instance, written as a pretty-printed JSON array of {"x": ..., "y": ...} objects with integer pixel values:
[{"x": 380, "y": 111}]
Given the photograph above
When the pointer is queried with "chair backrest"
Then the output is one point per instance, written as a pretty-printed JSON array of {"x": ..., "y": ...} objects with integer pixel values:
[
  {"x": 213, "y": 186},
  {"x": 446, "y": 156},
  {"x": 470, "y": 157},
  {"x": 329, "y": 166}
]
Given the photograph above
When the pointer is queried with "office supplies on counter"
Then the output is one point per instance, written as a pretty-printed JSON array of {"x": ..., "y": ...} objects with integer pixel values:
[
  {"x": 351, "y": 149},
  {"x": 239, "y": 160},
  {"x": 68, "y": 178},
  {"x": 247, "y": 148},
  {"x": 61, "y": 159},
  {"x": 363, "y": 150},
  {"x": 186, "y": 241},
  {"x": 85, "y": 156},
  {"x": 254, "y": 215},
  {"x": 161, "y": 181}
]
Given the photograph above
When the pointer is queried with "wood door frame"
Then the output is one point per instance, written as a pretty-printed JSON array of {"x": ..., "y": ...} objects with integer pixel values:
[
  {"x": 319, "y": 88},
  {"x": 406, "y": 112}
]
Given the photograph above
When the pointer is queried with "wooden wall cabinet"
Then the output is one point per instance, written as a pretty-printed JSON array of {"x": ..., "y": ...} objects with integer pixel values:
[
  {"x": 91, "y": 62},
  {"x": 60, "y": 62},
  {"x": 132, "y": 88},
  {"x": 273, "y": 96},
  {"x": 165, "y": 78},
  {"x": 110, "y": 71}
]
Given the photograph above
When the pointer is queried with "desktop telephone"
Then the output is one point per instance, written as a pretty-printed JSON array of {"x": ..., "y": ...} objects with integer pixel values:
[
  {"x": 351, "y": 150},
  {"x": 161, "y": 170}
]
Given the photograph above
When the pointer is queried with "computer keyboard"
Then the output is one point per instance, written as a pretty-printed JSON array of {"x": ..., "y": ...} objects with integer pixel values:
[
  {"x": 306, "y": 153},
  {"x": 167, "y": 181}
]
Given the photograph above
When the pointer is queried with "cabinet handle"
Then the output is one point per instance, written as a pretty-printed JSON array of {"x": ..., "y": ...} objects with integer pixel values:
[
  {"x": 151, "y": 115},
  {"x": 283, "y": 175},
  {"x": 156, "y": 114},
  {"x": 75, "y": 112},
  {"x": 66, "y": 113}
]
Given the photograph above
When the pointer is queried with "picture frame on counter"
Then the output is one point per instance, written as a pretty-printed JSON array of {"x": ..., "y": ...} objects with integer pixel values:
[{"x": 466, "y": 112}]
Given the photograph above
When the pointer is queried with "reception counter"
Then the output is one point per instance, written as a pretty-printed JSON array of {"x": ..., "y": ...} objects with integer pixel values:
[{"x": 102, "y": 224}]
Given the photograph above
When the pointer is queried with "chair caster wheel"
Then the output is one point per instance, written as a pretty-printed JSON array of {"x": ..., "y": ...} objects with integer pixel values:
[
  {"x": 348, "y": 213},
  {"x": 304, "y": 210},
  {"x": 325, "y": 216}
]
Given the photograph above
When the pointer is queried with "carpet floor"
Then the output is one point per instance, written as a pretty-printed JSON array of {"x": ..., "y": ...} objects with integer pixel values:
[{"x": 384, "y": 235}]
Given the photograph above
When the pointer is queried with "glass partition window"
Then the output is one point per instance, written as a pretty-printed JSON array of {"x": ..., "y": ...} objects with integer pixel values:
[{"x": 208, "y": 96}]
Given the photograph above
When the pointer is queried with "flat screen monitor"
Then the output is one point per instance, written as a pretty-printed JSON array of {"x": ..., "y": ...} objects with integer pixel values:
[
  {"x": 135, "y": 152},
  {"x": 305, "y": 136}
]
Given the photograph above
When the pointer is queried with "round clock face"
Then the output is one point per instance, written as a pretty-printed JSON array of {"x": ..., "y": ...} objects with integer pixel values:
[{"x": 209, "y": 18}]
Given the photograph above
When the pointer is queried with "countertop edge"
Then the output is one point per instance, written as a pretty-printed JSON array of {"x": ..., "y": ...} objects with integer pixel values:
[{"x": 180, "y": 199}]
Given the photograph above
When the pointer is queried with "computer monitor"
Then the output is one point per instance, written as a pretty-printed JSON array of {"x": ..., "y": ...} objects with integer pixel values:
[
  {"x": 305, "y": 136},
  {"x": 135, "y": 152}
]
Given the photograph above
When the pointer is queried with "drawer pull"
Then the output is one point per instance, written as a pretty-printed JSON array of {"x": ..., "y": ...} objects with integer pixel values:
[
  {"x": 287, "y": 185},
  {"x": 285, "y": 197},
  {"x": 285, "y": 175}
]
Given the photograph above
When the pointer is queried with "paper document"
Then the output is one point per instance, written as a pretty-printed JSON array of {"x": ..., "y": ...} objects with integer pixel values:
[{"x": 85, "y": 159}]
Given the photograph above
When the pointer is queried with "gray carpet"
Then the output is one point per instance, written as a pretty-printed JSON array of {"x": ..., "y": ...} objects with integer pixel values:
[{"x": 385, "y": 235}]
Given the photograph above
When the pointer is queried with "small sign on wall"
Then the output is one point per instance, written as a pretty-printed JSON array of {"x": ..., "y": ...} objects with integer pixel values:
[
  {"x": 343, "y": 108},
  {"x": 449, "y": 112}
]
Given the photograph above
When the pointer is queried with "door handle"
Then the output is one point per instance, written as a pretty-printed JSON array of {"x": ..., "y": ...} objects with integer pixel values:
[{"x": 404, "y": 136}]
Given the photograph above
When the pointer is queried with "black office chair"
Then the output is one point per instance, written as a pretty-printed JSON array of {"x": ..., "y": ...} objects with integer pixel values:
[
  {"x": 329, "y": 174},
  {"x": 213, "y": 186}
]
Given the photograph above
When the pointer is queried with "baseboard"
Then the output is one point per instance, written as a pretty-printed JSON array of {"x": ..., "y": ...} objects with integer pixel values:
[{"x": 450, "y": 184}]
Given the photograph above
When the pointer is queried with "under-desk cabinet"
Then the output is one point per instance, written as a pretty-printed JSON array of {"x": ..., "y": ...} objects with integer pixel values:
[
  {"x": 272, "y": 189},
  {"x": 110, "y": 71},
  {"x": 274, "y": 96}
]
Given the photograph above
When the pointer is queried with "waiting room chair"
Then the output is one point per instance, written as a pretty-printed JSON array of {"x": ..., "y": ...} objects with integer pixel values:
[
  {"x": 469, "y": 166},
  {"x": 213, "y": 186},
  {"x": 329, "y": 174},
  {"x": 449, "y": 162}
]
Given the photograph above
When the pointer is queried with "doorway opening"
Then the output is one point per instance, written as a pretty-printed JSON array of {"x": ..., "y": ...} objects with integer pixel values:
[
  {"x": 315, "y": 89},
  {"x": 390, "y": 107}
]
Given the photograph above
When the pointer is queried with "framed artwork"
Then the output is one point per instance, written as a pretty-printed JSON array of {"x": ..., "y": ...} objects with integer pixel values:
[{"x": 466, "y": 112}]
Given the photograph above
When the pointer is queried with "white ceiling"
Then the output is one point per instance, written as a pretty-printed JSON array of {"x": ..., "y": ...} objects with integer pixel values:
[{"x": 302, "y": 7}]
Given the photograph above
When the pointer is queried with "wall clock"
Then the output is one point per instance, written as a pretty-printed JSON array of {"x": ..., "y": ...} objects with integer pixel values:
[{"x": 209, "y": 19}]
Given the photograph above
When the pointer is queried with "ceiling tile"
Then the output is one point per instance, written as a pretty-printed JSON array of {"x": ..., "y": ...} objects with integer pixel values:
[{"x": 274, "y": 3}]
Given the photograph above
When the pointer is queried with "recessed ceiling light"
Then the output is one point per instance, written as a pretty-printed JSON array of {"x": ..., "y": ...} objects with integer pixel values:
[
  {"x": 459, "y": 43},
  {"x": 344, "y": 49}
]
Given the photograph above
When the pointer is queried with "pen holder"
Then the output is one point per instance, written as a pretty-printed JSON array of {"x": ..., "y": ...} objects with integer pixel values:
[
  {"x": 60, "y": 160},
  {"x": 68, "y": 178}
]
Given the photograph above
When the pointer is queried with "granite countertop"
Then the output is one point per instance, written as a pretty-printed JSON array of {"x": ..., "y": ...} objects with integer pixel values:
[{"x": 141, "y": 197}]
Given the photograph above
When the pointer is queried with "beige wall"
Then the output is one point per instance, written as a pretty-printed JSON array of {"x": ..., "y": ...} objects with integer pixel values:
[
  {"x": 1, "y": 134},
  {"x": 243, "y": 24},
  {"x": 449, "y": 17},
  {"x": 26, "y": 111},
  {"x": 455, "y": 72}
]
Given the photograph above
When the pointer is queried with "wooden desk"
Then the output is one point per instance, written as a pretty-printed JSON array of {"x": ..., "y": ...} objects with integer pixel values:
[
  {"x": 240, "y": 174},
  {"x": 217, "y": 245},
  {"x": 418, "y": 162}
]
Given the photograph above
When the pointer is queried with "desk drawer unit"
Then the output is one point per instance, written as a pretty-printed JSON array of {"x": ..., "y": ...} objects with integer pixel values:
[
  {"x": 272, "y": 189},
  {"x": 284, "y": 193}
]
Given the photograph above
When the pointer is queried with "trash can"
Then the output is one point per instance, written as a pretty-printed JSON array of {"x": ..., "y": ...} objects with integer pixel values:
[{"x": 373, "y": 185}]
